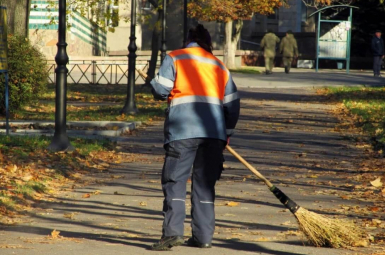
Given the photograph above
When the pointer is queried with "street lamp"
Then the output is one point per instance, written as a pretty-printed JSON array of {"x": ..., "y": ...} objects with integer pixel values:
[
  {"x": 130, "y": 107},
  {"x": 60, "y": 141},
  {"x": 163, "y": 49}
]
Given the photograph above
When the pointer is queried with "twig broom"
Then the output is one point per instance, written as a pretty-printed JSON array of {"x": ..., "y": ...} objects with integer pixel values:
[{"x": 320, "y": 230}]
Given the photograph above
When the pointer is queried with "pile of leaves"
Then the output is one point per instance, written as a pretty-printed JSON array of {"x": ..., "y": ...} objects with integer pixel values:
[
  {"x": 361, "y": 112},
  {"x": 366, "y": 106},
  {"x": 30, "y": 173}
]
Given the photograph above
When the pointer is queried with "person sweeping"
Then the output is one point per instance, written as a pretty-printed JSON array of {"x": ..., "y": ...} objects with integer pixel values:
[{"x": 203, "y": 110}]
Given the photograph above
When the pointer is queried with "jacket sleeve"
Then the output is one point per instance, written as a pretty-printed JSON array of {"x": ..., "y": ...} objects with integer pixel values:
[
  {"x": 163, "y": 82},
  {"x": 231, "y": 106},
  {"x": 262, "y": 45}
]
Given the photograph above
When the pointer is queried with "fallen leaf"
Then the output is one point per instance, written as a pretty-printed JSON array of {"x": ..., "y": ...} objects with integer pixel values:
[
  {"x": 286, "y": 223},
  {"x": 143, "y": 204},
  {"x": 361, "y": 243},
  {"x": 27, "y": 177},
  {"x": 132, "y": 235},
  {"x": 376, "y": 221},
  {"x": 374, "y": 209},
  {"x": 97, "y": 192},
  {"x": 86, "y": 195},
  {"x": 69, "y": 216},
  {"x": 55, "y": 234},
  {"x": 262, "y": 239},
  {"x": 377, "y": 182},
  {"x": 232, "y": 204}
]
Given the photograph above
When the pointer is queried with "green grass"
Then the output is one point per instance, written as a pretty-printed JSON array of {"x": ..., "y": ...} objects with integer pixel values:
[
  {"x": 246, "y": 70},
  {"x": 29, "y": 188},
  {"x": 368, "y": 104},
  {"x": 22, "y": 146},
  {"x": 99, "y": 103}
]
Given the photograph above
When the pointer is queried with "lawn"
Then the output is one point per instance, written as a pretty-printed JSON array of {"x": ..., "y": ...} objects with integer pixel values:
[
  {"x": 30, "y": 173},
  {"x": 368, "y": 107},
  {"x": 246, "y": 70},
  {"x": 94, "y": 103}
]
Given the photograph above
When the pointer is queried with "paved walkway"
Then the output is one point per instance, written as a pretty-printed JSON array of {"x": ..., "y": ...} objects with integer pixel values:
[
  {"x": 308, "y": 78},
  {"x": 286, "y": 133}
]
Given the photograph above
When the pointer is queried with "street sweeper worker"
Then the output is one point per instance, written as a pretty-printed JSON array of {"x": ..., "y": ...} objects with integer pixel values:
[{"x": 203, "y": 109}]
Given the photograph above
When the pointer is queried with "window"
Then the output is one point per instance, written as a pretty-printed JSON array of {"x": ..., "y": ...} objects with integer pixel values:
[
  {"x": 146, "y": 5},
  {"x": 273, "y": 16}
]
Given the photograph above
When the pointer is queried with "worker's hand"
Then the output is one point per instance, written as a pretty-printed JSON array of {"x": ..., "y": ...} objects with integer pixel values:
[{"x": 383, "y": 56}]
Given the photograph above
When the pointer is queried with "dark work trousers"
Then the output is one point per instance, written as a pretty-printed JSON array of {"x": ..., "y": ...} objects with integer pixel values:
[
  {"x": 205, "y": 156},
  {"x": 377, "y": 61}
]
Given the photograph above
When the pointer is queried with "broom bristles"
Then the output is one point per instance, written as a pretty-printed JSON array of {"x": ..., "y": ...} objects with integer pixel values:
[{"x": 328, "y": 232}]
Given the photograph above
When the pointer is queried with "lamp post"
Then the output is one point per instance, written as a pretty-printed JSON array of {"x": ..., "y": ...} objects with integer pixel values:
[
  {"x": 185, "y": 23},
  {"x": 60, "y": 141},
  {"x": 130, "y": 106},
  {"x": 163, "y": 48}
]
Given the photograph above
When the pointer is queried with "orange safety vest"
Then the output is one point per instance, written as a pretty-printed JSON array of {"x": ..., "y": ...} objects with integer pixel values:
[{"x": 199, "y": 74}]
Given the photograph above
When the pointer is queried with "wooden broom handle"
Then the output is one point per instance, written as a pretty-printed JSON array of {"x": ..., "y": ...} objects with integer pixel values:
[{"x": 250, "y": 167}]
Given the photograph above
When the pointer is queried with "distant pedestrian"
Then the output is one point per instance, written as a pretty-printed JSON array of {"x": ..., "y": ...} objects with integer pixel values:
[
  {"x": 269, "y": 43},
  {"x": 378, "y": 53},
  {"x": 289, "y": 50},
  {"x": 203, "y": 109}
]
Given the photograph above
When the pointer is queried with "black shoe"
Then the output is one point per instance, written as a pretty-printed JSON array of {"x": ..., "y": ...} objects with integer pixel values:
[
  {"x": 287, "y": 69},
  {"x": 194, "y": 243},
  {"x": 167, "y": 242}
]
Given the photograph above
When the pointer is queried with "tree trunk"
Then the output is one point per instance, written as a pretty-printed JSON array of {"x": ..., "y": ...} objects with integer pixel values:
[
  {"x": 18, "y": 16},
  {"x": 155, "y": 46},
  {"x": 231, "y": 42},
  {"x": 228, "y": 50}
]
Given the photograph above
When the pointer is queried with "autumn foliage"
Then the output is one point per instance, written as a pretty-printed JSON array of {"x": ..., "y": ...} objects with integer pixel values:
[{"x": 227, "y": 10}]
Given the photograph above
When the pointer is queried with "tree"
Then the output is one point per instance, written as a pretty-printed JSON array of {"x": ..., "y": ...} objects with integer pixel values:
[
  {"x": 18, "y": 16},
  {"x": 322, "y": 3},
  {"x": 155, "y": 45},
  {"x": 228, "y": 11},
  {"x": 104, "y": 14}
]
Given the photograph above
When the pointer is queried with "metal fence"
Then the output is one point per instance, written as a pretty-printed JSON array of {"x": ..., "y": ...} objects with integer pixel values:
[{"x": 97, "y": 72}]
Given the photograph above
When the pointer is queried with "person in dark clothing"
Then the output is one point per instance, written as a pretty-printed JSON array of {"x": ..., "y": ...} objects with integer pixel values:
[{"x": 378, "y": 53}]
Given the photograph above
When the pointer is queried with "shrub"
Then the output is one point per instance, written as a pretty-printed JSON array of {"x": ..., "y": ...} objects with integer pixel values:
[{"x": 28, "y": 74}]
